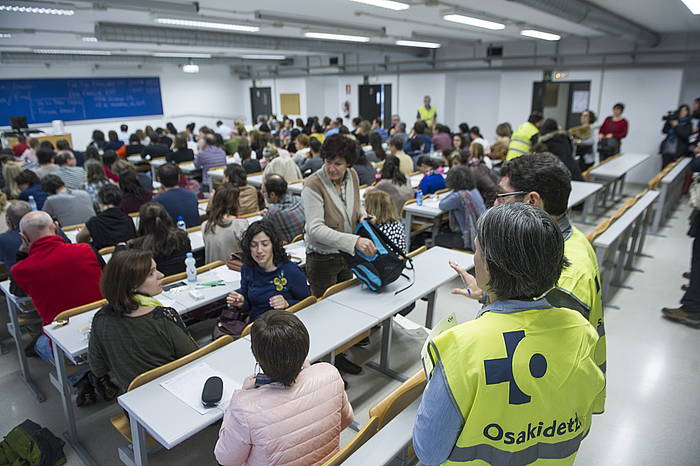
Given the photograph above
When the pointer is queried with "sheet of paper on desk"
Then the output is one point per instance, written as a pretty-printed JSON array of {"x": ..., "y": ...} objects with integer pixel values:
[
  {"x": 228, "y": 275},
  {"x": 188, "y": 385},
  {"x": 425, "y": 354}
]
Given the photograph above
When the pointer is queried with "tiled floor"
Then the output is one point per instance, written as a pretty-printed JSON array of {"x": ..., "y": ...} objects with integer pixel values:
[{"x": 653, "y": 413}]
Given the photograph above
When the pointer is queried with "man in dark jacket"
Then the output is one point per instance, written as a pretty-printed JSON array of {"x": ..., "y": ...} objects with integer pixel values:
[{"x": 689, "y": 311}]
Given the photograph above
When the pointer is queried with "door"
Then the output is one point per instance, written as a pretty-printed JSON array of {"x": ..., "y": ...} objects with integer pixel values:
[
  {"x": 260, "y": 102},
  {"x": 563, "y": 101},
  {"x": 375, "y": 102}
]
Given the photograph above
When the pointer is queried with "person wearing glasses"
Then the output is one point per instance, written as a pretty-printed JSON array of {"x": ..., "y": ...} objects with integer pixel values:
[
  {"x": 544, "y": 181},
  {"x": 516, "y": 384}
]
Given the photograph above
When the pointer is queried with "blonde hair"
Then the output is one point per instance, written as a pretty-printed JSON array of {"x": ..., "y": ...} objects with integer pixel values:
[
  {"x": 476, "y": 150},
  {"x": 3, "y": 201},
  {"x": 10, "y": 171},
  {"x": 379, "y": 204}
]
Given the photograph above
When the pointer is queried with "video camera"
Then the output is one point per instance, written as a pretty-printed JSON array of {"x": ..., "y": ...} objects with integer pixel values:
[{"x": 670, "y": 115}]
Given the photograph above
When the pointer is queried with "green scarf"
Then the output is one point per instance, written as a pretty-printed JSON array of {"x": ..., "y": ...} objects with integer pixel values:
[{"x": 144, "y": 300}]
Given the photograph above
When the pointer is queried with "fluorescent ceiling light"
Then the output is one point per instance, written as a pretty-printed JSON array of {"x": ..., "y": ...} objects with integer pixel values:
[
  {"x": 323, "y": 35},
  {"x": 182, "y": 55},
  {"x": 693, "y": 6},
  {"x": 539, "y": 34},
  {"x": 480, "y": 23},
  {"x": 40, "y": 11},
  {"x": 207, "y": 25},
  {"x": 190, "y": 68},
  {"x": 4, "y": 35},
  {"x": 390, "y": 4},
  {"x": 415, "y": 43},
  {"x": 263, "y": 57},
  {"x": 89, "y": 39},
  {"x": 71, "y": 52}
]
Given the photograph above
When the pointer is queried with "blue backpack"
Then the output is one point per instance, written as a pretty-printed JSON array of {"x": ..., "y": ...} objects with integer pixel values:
[{"x": 387, "y": 264}]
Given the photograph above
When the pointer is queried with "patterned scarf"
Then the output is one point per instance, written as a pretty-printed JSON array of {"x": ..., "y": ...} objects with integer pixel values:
[{"x": 471, "y": 215}]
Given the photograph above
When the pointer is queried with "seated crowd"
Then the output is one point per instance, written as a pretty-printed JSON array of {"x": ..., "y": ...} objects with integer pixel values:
[{"x": 349, "y": 176}]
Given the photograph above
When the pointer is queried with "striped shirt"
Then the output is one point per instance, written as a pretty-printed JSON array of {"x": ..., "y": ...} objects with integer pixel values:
[{"x": 73, "y": 177}]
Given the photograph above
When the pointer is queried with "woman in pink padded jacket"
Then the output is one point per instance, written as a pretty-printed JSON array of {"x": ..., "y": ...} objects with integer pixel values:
[{"x": 290, "y": 413}]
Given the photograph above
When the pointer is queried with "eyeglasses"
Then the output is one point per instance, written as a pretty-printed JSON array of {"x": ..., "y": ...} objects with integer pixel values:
[{"x": 516, "y": 193}]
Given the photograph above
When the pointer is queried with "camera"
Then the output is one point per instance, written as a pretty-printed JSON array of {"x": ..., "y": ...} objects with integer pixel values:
[{"x": 670, "y": 115}]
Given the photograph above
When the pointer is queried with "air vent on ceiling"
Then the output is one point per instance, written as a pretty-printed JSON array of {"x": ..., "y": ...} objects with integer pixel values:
[{"x": 494, "y": 51}]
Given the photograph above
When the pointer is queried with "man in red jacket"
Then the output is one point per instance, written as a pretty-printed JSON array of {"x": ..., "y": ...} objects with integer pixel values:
[{"x": 56, "y": 275}]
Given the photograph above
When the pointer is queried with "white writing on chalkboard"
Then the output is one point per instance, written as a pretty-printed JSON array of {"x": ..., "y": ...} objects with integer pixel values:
[{"x": 43, "y": 100}]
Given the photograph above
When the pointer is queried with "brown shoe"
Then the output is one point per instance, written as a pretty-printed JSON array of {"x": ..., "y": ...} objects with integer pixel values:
[
  {"x": 691, "y": 319},
  {"x": 686, "y": 275}
]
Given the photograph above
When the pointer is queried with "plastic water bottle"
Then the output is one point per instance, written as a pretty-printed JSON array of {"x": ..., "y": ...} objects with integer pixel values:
[
  {"x": 32, "y": 202},
  {"x": 378, "y": 176},
  {"x": 191, "y": 268},
  {"x": 419, "y": 197},
  {"x": 91, "y": 191},
  {"x": 181, "y": 224}
]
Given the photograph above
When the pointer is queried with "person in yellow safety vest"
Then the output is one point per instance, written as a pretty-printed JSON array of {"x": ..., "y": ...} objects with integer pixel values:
[
  {"x": 427, "y": 113},
  {"x": 544, "y": 181},
  {"x": 522, "y": 139},
  {"x": 515, "y": 385}
]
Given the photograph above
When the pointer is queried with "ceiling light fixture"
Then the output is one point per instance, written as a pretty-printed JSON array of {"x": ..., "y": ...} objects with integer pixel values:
[
  {"x": 4, "y": 35},
  {"x": 207, "y": 25},
  {"x": 326, "y": 36},
  {"x": 539, "y": 34},
  {"x": 190, "y": 68},
  {"x": 181, "y": 55},
  {"x": 415, "y": 43},
  {"x": 89, "y": 39},
  {"x": 389, "y": 4},
  {"x": 470, "y": 21},
  {"x": 693, "y": 6},
  {"x": 263, "y": 57},
  {"x": 71, "y": 52},
  {"x": 40, "y": 11}
]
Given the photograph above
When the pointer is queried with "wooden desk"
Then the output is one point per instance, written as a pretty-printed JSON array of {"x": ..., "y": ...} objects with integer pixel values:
[{"x": 44, "y": 137}]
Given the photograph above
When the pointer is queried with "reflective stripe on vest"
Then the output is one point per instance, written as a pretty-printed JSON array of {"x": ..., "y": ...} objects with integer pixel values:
[{"x": 493, "y": 455}]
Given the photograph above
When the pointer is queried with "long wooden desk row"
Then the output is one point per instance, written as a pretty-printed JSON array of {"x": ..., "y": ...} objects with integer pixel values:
[
  {"x": 670, "y": 190},
  {"x": 617, "y": 246},
  {"x": 331, "y": 323},
  {"x": 612, "y": 174}
]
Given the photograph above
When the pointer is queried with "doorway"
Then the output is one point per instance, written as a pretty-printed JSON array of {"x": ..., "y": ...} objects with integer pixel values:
[
  {"x": 260, "y": 102},
  {"x": 562, "y": 101},
  {"x": 375, "y": 102}
]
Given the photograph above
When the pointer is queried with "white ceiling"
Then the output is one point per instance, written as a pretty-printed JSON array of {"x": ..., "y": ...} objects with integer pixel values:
[{"x": 47, "y": 31}]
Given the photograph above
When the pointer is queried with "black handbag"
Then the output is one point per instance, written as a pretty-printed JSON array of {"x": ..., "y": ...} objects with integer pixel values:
[{"x": 608, "y": 146}]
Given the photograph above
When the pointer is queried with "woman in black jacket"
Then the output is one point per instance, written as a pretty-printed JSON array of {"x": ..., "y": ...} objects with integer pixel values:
[
  {"x": 677, "y": 129},
  {"x": 557, "y": 142}
]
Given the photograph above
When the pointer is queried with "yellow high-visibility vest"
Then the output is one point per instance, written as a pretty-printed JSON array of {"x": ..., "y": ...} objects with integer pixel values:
[
  {"x": 427, "y": 115},
  {"x": 524, "y": 383},
  {"x": 582, "y": 279},
  {"x": 521, "y": 140}
]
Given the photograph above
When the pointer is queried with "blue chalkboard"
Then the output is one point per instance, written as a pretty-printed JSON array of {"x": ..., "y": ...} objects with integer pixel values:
[{"x": 44, "y": 100}]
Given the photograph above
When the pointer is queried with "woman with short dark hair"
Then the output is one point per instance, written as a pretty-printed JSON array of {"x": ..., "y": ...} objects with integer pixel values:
[
  {"x": 269, "y": 280},
  {"x": 464, "y": 206},
  {"x": 257, "y": 427},
  {"x": 114, "y": 142},
  {"x": 613, "y": 129},
  {"x": 110, "y": 226},
  {"x": 134, "y": 195},
  {"x": 134, "y": 333},
  {"x": 157, "y": 233}
]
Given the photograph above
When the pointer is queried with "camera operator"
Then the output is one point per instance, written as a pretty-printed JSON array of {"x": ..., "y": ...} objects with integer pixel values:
[{"x": 677, "y": 128}]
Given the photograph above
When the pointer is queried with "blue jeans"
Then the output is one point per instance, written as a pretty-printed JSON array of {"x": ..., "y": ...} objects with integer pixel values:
[{"x": 42, "y": 347}]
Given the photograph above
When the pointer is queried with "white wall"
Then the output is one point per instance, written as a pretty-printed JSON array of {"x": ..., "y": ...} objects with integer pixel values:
[{"x": 205, "y": 97}]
